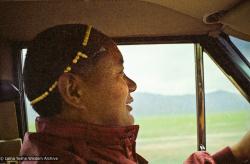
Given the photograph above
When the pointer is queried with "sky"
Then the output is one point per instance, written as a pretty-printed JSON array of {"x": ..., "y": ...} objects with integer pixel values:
[
  {"x": 243, "y": 46},
  {"x": 170, "y": 70}
]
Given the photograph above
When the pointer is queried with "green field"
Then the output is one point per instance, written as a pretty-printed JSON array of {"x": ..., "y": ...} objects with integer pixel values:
[{"x": 171, "y": 139}]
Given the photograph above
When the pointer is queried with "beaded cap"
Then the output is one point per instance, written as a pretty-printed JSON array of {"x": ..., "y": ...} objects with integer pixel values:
[{"x": 78, "y": 56}]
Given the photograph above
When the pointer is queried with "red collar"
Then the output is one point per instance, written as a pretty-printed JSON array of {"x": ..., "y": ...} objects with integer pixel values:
[{"x": 89, "y": 132}]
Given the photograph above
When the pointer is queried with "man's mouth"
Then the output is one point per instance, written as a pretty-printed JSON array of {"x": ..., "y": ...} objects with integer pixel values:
[
  {"x": 129, "y": 101},
  {"x": 129, "y": 107}
]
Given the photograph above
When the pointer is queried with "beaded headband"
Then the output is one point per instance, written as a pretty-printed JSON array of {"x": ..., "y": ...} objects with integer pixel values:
[{"x": 67, "y": 69}]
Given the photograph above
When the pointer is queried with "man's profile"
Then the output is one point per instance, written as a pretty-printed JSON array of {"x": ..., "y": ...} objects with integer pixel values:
[{"x": 74, "y": 78}]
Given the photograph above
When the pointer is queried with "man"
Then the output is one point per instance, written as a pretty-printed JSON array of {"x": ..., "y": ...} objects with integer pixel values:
[{"x": 74, "y": 78}]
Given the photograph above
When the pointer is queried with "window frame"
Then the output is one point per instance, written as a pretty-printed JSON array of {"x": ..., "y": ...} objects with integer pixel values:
[{"x": 21, "y": 113}]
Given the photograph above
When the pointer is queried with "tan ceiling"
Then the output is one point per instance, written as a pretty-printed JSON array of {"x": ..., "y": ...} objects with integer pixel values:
[
  {"x": 234, "y": 21},
  {"x": 23, "y": 20}
]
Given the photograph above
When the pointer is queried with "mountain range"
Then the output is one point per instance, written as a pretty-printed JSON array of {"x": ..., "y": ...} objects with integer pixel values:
[{"x": 147, "y": 104}]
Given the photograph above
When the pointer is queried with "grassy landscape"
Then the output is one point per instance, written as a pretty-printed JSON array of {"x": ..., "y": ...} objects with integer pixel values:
[{"x": 171, "y": 139}]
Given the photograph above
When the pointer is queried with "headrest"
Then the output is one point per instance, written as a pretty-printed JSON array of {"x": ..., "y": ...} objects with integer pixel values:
[{"x": 8, "y": 91}]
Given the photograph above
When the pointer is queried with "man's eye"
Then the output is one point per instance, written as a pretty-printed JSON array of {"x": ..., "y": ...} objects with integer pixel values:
[{"x": 121, "y": 73}]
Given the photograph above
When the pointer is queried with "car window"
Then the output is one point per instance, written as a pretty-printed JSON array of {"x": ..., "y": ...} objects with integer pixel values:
[
  {"x": 31, "y": 114},
  {"x": 227, "y": 112},
  {"x": 165, "y": 103}
]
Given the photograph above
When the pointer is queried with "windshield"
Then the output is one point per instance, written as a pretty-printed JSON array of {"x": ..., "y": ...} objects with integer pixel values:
[{"x": 243, "y": 46}]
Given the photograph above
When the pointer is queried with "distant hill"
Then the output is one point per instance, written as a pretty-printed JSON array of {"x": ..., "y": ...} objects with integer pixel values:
[{"x": 146, "y": 104}]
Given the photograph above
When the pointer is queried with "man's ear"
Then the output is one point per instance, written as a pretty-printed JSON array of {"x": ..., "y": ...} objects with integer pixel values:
[{"x": 71, "y": 89}]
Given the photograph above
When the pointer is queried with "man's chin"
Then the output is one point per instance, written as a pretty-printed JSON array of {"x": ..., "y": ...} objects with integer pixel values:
[{"x": 129, "y": 118}]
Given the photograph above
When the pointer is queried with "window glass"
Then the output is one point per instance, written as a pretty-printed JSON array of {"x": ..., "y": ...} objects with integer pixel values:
[
  {"x": 164, "y": 102},
  {"x": 243, "y": 46},
  {"x": 227, "y": 112},
  {"x": 31, "y": 114}
]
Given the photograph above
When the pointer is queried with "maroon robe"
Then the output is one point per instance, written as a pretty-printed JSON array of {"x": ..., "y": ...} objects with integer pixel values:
[
  {"x": 82, "y": 143},
  {"x": 87, "y": 143}
]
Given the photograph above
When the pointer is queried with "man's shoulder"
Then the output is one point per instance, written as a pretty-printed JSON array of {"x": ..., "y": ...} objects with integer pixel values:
[{"x": 46, "y": 147}]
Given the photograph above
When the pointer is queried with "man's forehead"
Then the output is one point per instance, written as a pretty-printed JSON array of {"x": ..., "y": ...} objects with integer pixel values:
[{"x": 115, "y": 53}]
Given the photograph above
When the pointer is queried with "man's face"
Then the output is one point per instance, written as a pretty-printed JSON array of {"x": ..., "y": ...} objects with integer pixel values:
[{"x": 109, "y": 90}]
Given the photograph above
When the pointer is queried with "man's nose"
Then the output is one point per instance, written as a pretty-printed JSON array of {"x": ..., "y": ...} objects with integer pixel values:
[{"x": 131, "y": 84}]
